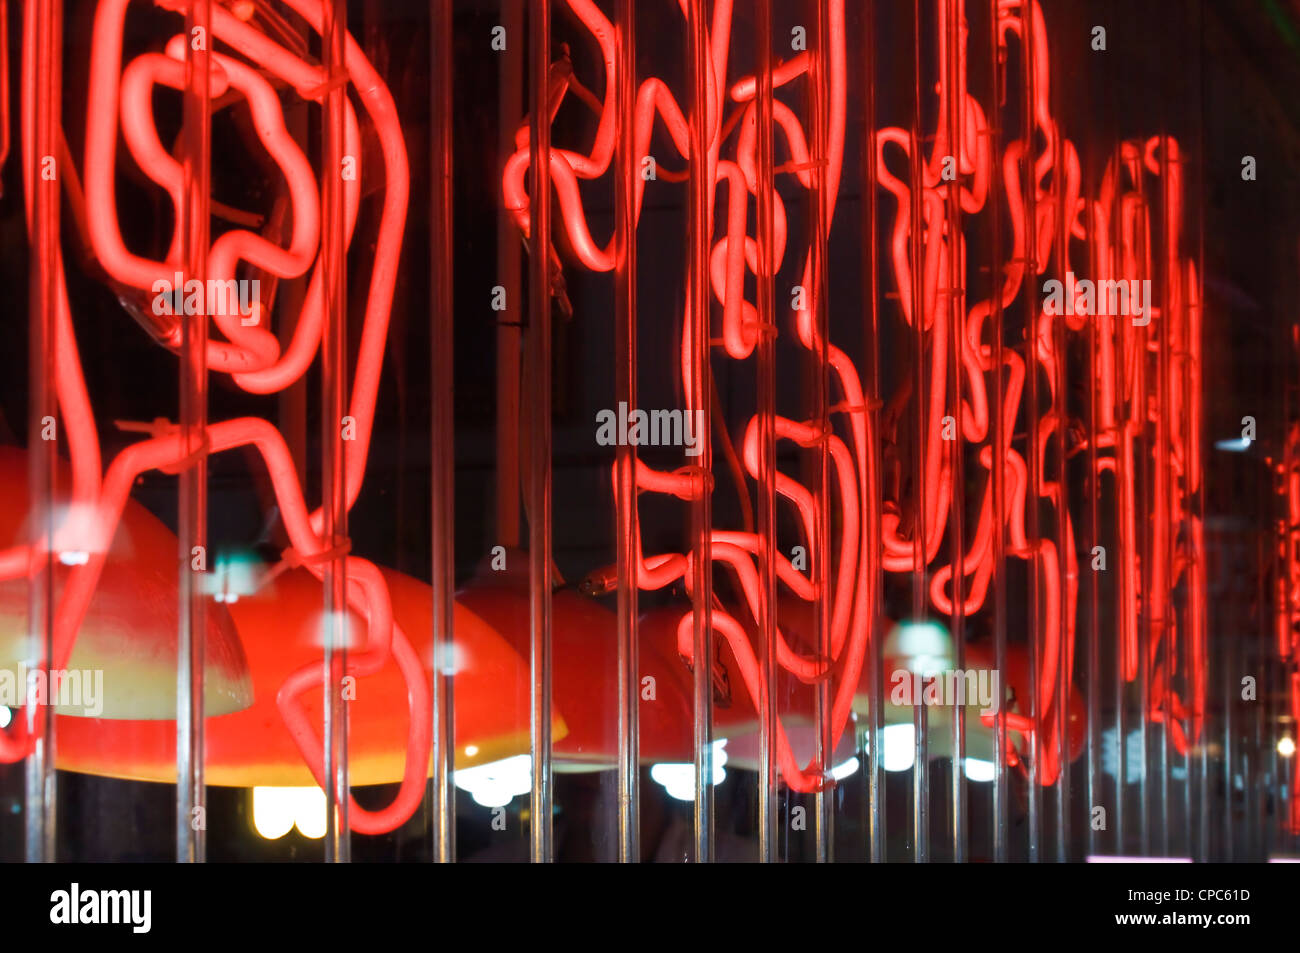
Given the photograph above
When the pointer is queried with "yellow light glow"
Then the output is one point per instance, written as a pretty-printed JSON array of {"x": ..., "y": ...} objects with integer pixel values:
[
  {"x": 471, "y": 750},
  {"x": 1286, "y": 747}
]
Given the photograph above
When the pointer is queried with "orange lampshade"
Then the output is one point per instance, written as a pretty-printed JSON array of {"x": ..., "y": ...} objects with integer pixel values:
[
  {"x": 734, "y": 713},
  {"x": 279, "y": 624},
  {"x": 584, "y": 682},
  {"x": 129, "y": 632}
]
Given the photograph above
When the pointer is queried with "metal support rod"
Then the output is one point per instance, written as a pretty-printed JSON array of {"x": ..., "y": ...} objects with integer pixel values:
[
  {"x": 1140, "y": 416},
  {"x": 1093, "y": 576},
  {"x": 872, "y": 564},
  {"x": 1228, "y": 665},
  {"x": 1029, "y": 229},
  {"x": 920, "y": 400},
  {"x": 625, "y": 277},
  {"x": 1162, "y": 544},
  {"x": 42, "y": 21},
  {"x": 1001, "y": 788},
  {"x": 698, "y": 400},
  {"x": 1195, "y": 442},
  {"x": 954, "y": 109},
  {"x": 334, "y": 375},
  {"x": 191, "y": 822},
  {"x": 510, "y": 104},
  {"x": 766, "y": 410},
  {"x": 1123, "y": 534},
  {"x": 541, "y": 830},
  {"x": 1064, "y": 530},
  {"x": 443, "y": 444},
  {"x": 821, "y": 203}
]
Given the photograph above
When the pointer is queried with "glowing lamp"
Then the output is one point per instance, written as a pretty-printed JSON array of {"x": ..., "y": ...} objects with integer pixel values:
[
  {"x": 276, "y": 811},
  {"x": 923, "y": 647},
  {"x": 497, "y": 783},
  {"x": 280, "y": 627},
  {"x": 678, "y": 778},
  {"x": 924, "y": 651},
  {"x": 127, "y": 639}
]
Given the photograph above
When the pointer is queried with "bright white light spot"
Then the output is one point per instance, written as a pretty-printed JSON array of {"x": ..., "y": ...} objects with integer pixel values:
[
  {"x": 450, "y": 658},
  {"x": 277, "y": 810},
  {"x": 1286, "y": 747},
  {"x": 1233, "y": 444},
  {"x": 335, "y": 626},
  {"x": 80, "y": 532},
  {"x": 900, "y": 755},
  {"x": 273, "y": 811},
  {"x": 1115, "y": 859},
  {"x": 471, "y": 750},
  {"x": 309, "y": 815},
  {"x": 6, "y": 716},
  {"x": 900, "y": 747},
  {"x": 924, "y": 647},
  {"x": 845, "y": 769},
  {"x": 1132, "y": 754},
  {"x": 679, "y": 779},
  {"x": 497, "y": 783},
  {"x": 922, "y": 638},
  {"x": 235, "y": 574}
]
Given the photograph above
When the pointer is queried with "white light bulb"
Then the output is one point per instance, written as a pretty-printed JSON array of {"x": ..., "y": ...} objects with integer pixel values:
[
  {"x": 277, "y": 810},
  {"x": 309, "y": 812},
  {"x": 679, "y": 779},
  {"x": 273, "y": 812},
  {"x": 497, "y": 783},
  {"x": 900, "y": 747}
]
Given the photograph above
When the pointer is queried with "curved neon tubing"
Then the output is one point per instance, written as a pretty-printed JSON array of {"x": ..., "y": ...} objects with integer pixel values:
[
  {"x": 1122, "y": 432},
  {"x": 252, "y": 354}
]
